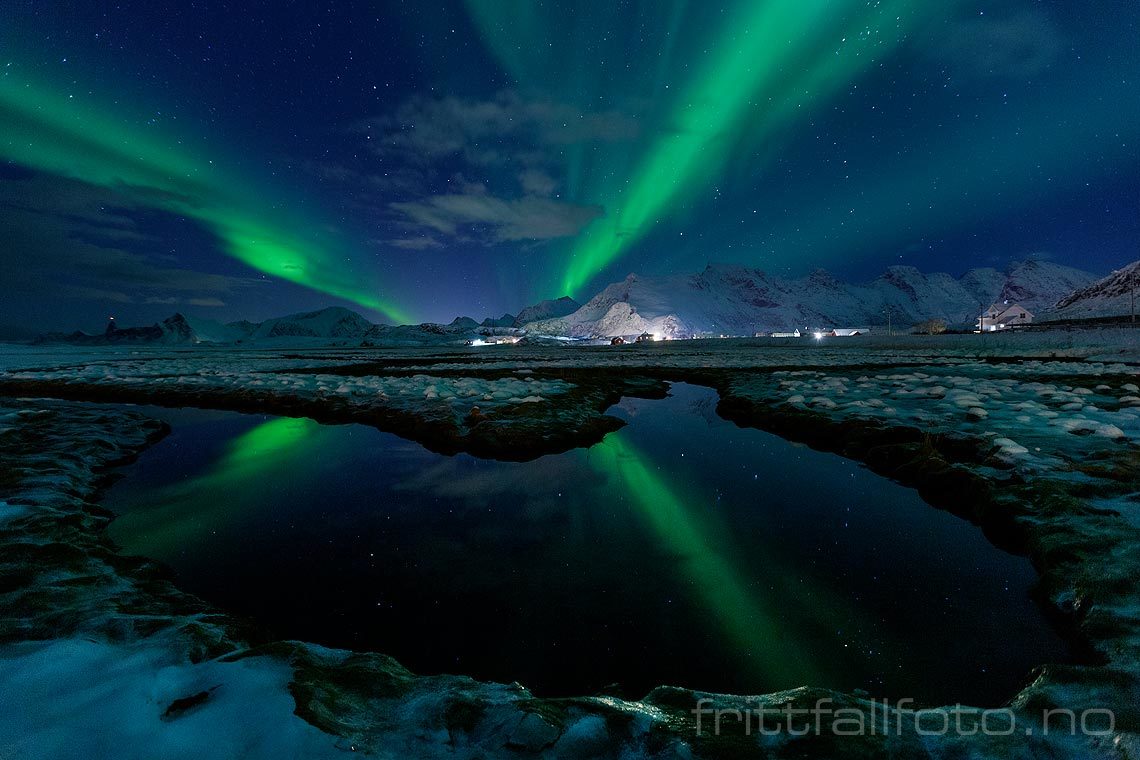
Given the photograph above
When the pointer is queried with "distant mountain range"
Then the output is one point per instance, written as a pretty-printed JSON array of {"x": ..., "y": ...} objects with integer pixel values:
[
  {"x": 737, "y": 300},
  {"x": 326, "y": 326},
  {"x": 721, "y": 300}
]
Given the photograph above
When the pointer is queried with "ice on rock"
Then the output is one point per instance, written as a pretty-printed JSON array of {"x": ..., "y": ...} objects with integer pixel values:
[
  {"x": 1076, "y": 425},
  {"x": 1109, "y": 431},
  {"x": 1010, "y": 447}
]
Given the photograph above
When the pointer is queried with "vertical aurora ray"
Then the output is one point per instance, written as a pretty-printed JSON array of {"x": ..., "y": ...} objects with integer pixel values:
[
  {"x": 776, "y": 60},
  {"x": 762, "y": 69},
  {"x": 44, "y": 130},
  {"x": 752, "y": 628}
]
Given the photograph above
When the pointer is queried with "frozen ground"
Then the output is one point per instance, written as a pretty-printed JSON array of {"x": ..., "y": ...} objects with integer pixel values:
[{"x": 1033, "y": 436}]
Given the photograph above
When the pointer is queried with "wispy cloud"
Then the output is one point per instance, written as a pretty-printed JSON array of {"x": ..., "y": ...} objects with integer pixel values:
[
  {"x": 419, "y": 243},
  {"x": 530, "y": 217},
  {"x": 490, "y": 131},
  {"x": 422, "y": 152},
  {"x": 1020, "y": 45},
  {"x": 64, "y": 238}
]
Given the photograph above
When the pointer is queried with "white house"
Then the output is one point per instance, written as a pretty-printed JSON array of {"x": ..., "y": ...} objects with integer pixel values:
[
  {"x": 846, "y": 332},
  {"x": 1003, "y": 316},
  {"x": 795, "y": 334}
]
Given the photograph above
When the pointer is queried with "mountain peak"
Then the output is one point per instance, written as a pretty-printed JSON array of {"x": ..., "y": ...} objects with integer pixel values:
[
  {"x": 732, "y": 299},
  {"x": 1110, "y": 296}
]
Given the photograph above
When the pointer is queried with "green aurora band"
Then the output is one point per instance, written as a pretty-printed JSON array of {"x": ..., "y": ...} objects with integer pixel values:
[
  {"x": 763, "y": 71},
  {"x": 47, "y": 131}
]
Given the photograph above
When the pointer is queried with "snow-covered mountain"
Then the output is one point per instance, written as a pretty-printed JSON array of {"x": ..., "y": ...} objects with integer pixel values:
[
  {"x": 721, "y": 300},
  {"x": 507, "y": 320},
  {"x": 552, "y": 309},
  {"x": 1109, "y": 297},
  {"x": 175, "y": 329},
  {"x": 335, "y": 322},
  {"x": 737, "y": 300},
  {"x": 1039, "y": 285}
]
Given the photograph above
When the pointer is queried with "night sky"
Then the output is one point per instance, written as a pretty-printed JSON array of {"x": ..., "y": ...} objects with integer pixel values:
[{"x": 419, "y": 160}]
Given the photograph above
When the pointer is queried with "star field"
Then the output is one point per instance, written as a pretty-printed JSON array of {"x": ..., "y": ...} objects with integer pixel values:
[{"x": 416, "y": 161}]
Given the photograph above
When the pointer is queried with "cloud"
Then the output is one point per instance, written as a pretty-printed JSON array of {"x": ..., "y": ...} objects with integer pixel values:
[
  {"x": 1018, "y": 46},
  {"x": 413, "y": 178},
  {"x": 63, "y": 237},
  {"x": 530, "y": 217},
  {"x": 537, "y": 182},
  {"x": 421, "y": 243},
  {"x": 506, "y": 127}
]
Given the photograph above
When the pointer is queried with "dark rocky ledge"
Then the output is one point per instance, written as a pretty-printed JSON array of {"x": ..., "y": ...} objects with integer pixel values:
[{"x": 63, "y": 578}]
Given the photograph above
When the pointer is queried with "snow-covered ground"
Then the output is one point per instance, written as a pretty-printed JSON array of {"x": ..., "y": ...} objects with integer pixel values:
[
  {"x": 98, "y": 648},
  {"x": 1029, "y": 423}
]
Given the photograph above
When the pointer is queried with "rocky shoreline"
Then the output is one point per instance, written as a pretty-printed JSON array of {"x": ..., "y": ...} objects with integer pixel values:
[{"x": 1074, "y": 515}]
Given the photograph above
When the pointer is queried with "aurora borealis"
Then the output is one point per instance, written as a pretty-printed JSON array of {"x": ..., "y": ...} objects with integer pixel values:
[
  {"x": 473, "y": 157},
  {"x": 46, "y": 132}
]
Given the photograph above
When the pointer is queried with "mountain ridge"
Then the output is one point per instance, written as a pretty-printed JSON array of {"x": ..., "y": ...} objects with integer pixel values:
[
  {"x": 722, "y": 299},
  {"x": 733, "y": 299}
]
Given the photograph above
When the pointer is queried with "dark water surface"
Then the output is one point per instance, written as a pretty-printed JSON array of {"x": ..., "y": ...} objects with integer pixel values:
[{"x": 681, "y": 550}]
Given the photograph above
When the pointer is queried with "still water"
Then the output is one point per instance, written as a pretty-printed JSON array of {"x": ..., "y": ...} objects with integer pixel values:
[{"x": 681, "y": 550}]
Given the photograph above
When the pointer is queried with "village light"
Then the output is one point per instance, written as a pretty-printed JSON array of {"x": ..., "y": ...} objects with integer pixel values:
[{"x": 818, "y": 335}]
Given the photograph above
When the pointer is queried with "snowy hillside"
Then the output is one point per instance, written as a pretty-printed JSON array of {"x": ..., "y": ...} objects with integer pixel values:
[
  {"x": 552, "y": 309},
  {"x": 737, "y": 300},
  {"x": 333, "y": 322},
  {"x": 1109, "y": 297},
  {"x": 1039, "y": 285},
  {"x": 175, "y": 329},
  {"x": 334, "y": 325}
]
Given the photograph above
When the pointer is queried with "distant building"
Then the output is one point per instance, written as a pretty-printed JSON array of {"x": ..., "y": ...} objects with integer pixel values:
[
  {"x": 1002, "y": 317},
  {"x": 645, "y": 337},
  {"x": 795, "y": 334},
  {"x": 846, "y": 332},
  {"x": 617, "y": 341}
]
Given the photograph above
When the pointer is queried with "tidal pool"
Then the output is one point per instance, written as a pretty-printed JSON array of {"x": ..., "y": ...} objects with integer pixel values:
[{"x": 681, "y": 550}]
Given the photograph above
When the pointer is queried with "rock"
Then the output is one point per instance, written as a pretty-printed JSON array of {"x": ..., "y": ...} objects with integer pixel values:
[
  {"x": 533, "y": 733},
  {"x": 586, "y": 738},
  {"x": 180, "y": 707}
]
